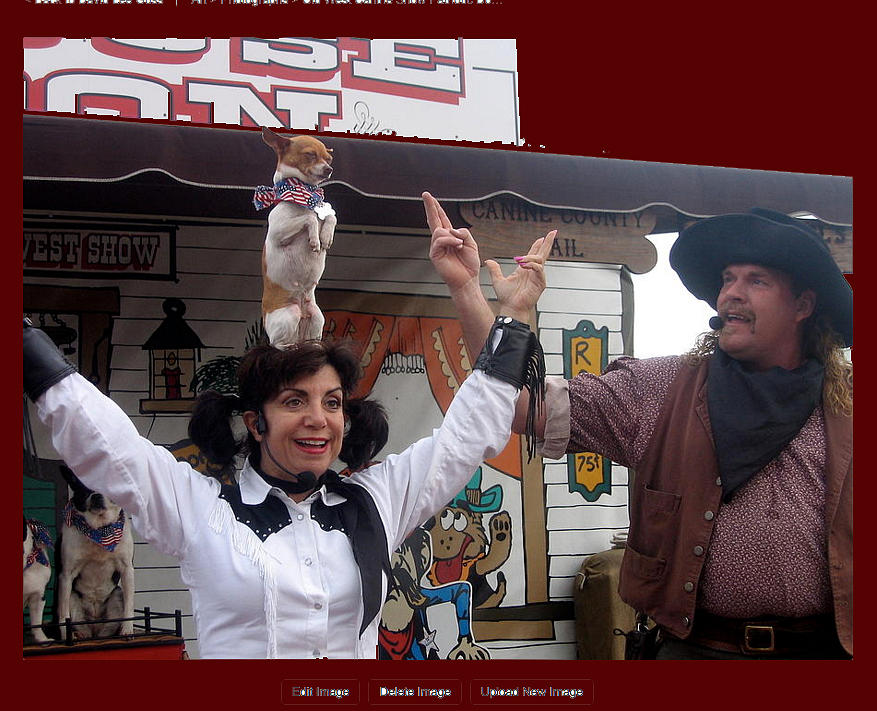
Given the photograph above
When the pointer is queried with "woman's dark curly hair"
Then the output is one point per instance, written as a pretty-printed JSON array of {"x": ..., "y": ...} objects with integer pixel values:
[{"x": 263, "y": 372}]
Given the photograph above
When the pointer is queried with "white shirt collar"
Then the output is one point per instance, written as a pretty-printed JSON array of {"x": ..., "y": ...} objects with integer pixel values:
[{"x": 254, "y": 489}]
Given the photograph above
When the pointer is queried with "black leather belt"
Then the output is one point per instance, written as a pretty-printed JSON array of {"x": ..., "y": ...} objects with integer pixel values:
[{"x": 766, "y": 636}]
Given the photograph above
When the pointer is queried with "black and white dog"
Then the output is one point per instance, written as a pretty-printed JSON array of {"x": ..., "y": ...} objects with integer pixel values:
[
  {"x": 96, "y": 570},
  {"x": 37, "y": 571}
]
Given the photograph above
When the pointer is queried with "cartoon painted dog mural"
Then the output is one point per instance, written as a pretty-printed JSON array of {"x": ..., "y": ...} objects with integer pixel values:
[{"x": 464, "y": 550}]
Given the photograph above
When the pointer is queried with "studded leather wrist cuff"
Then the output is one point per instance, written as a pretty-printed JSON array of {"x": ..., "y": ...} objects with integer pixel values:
[
  {"x": 508, "y": 358},
  {"x": 516, "y": 357}
]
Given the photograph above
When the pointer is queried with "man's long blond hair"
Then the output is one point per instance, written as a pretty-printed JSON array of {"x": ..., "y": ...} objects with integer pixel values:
[{"x": 821, "y": 342}]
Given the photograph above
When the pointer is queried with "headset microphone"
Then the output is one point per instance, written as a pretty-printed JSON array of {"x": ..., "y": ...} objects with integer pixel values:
[
  {"x": 303, "y": 481},
  {"x": 716, "y": 323}
]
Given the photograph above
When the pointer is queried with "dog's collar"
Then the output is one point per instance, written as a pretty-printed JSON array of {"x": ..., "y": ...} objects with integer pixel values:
[
  {"x": 293, "y": 190},
  {"x": 42, "y": 539},
  {"x": 107, "y": 536}
]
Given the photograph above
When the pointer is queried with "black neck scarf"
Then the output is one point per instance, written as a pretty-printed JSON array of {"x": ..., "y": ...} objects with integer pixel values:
[
  {"x": 755, "y": 414},
  {"x": 359, "y": 520}
]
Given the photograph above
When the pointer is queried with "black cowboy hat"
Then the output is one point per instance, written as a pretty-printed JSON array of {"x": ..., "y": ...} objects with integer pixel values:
[{"x": 772, "y": 239}]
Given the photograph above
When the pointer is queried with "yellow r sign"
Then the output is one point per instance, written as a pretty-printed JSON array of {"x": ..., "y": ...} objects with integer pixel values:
[{"x": 585, "y": 351}]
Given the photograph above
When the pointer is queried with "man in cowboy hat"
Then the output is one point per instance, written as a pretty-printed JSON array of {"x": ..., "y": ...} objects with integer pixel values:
[{"x": 740, "y": 540}]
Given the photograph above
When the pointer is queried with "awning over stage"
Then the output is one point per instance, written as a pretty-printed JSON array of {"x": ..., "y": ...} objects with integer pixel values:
[{"x": 155, "y": 168}]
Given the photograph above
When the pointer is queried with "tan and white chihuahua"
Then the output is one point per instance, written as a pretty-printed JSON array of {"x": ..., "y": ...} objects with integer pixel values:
[{"x": 301, "y": 228}]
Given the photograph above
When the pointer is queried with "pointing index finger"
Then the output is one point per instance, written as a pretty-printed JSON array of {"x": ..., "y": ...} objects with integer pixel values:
[
  {"x": 435, "y": 214},
  {"x": 547, "y": 244}
]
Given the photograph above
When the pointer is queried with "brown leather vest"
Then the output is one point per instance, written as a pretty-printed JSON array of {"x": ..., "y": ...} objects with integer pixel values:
[{"x": 676, "y": 495}]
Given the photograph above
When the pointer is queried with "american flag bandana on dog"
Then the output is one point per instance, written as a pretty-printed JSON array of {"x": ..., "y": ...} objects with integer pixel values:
[
  {"x": 107, "y": 536},
  {"x": 288, "y": 190},
  {"x": 42, "y": 540}
]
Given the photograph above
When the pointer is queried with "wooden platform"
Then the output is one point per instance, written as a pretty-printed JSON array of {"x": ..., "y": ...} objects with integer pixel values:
[{"x": 144, "y": 646}]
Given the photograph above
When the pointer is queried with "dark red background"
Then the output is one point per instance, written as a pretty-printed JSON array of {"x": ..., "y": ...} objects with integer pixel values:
[{"x": 722, "y": 85}]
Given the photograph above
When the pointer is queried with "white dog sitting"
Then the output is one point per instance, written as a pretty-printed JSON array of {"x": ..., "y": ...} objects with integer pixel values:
[
  {"x": 37, "y": 571},
  {"x": 96, "y": 570}
]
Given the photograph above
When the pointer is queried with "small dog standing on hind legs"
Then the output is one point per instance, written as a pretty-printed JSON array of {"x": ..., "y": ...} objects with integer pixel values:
[
  {"x": 301, "y": 228},
  {"x": 96, "y": 570}
]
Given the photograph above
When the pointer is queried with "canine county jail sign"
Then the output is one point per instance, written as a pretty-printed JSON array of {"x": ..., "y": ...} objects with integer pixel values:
[
  {"x": 585, "y": 350},
  {"x": 507, "y": 225}
]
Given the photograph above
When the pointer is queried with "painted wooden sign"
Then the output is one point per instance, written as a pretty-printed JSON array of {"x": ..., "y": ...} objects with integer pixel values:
[
  {"x": 506, "y": 226},
  {"x": 585, "y": 349}
]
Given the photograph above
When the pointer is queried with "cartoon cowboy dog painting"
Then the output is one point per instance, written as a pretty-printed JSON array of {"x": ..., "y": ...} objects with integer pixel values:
[{"x": 464, "y": 549}]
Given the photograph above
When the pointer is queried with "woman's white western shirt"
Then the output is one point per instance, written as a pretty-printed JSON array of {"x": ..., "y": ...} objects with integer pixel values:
[{"x": 297, "y": 593}]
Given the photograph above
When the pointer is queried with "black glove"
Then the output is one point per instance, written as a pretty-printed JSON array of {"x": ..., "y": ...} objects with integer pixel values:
[
  {"x": 517, "y": 359},
  {"x": 44, "y": 365}
]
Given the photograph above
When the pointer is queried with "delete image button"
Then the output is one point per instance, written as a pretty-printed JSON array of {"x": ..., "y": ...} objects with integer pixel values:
[{"x": 420, "y": 692}]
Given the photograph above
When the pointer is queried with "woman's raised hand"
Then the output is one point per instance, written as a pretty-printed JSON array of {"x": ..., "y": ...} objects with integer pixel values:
[{"x": 518, "y": 292}]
